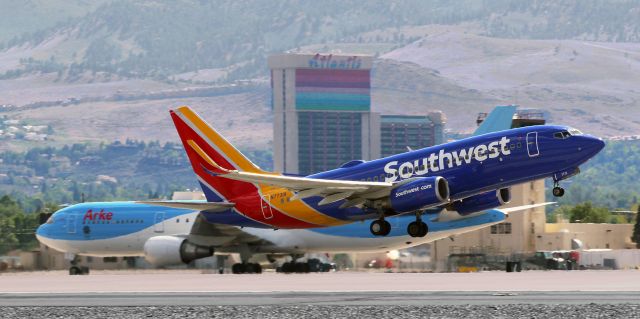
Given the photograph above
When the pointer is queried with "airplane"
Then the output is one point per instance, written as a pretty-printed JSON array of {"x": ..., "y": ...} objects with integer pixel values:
[
  {"x": 466, "y": 176},
  {"x": 171, "y": 236}
]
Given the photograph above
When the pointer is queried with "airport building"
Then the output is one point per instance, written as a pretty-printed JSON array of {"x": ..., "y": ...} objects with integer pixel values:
[
  {"x": 399, "y": 132},
  {"x": 323, "y": 117}
]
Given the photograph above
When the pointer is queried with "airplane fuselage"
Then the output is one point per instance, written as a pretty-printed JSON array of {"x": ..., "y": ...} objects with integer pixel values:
[{"x": 471, "y": 166}]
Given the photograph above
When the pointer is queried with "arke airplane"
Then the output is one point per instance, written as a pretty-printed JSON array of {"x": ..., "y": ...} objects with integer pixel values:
[
  {"x": 171, "y": 236},
  {"x": 466, "y": 176}
]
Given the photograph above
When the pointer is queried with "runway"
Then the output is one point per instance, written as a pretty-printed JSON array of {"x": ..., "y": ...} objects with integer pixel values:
[
  {"x": 141, "y": 288},
  {"x": 348, "y": 298}
]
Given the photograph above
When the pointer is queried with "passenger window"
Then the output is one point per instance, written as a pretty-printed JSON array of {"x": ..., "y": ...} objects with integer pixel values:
[
  {"x": 187, "y": 220},
  {"x": 177, "y": 220},
  {"x": 375, "y": 178},
  {"x": 519, "y": 145}
]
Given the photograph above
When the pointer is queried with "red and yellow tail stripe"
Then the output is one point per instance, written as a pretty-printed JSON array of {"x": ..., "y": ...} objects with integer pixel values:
[{"x": 208, "y": 149}]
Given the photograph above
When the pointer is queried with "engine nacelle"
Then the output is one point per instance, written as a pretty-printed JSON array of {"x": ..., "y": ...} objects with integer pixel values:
[
  {"x": 419, "y": 193},
  {"x": 171, "y": 250},
  {"x": 481, "y": 202}
]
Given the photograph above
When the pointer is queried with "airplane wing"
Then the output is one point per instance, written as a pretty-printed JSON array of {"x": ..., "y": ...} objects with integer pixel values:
[
  {"x": 209, "y": 207},
  {"x": 509, "y": 210},
  {"x": 226, "y": 238},
  {"x": 332, "y": 190},
  {"x": 446, "y": 215}
]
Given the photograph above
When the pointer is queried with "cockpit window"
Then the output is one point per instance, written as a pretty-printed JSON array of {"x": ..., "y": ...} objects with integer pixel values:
[
  {"x": 562, "y": 135},
  {"x": 50, "y": 220},
  {"x": 575, "y": 132}
]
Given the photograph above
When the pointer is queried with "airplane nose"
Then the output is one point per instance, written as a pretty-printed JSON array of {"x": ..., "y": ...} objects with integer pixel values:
[
  {"x": 41, "y": 231},
  {"x": 593, "y": 145}
]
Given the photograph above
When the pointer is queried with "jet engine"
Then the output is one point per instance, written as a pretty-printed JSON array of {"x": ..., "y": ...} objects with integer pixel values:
[
  {"x": 481, "y": 202},
  {"x": 419, "y": 193},
  {"x": 172, "y": 250}
]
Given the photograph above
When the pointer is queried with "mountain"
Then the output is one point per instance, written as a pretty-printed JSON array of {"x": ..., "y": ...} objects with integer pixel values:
[
  {"x": 591, "y": 85},
  {"x": 109, "y": 70},
  {"x": 155, "y": 38}
]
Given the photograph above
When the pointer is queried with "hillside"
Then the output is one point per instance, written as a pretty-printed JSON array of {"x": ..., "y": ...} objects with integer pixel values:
[
  {"x": 563, "y": 77},
  {"x": 109, "y": 70},
  {"x": 159, "y": 39}
]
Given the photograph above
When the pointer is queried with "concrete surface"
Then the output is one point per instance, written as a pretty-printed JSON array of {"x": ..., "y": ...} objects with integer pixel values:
[{"x": 193, "y": 281}]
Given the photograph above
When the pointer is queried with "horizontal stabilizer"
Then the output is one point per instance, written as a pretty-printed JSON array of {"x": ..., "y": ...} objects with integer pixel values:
[{"x": 210, "y": 207}]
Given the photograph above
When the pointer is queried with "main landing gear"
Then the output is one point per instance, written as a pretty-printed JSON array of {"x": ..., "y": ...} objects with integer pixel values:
[
  {"x": 557, "y": 190},
  {"x": 380, "y": 227},
  {"x": 246, "y": 268},
  {"x": 417, "y": 228}
]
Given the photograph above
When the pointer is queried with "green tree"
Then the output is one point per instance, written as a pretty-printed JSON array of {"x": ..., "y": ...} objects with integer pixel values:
[
  {"x": 8, "y": 210},
  {"x": 587, "y": 213},
  {"x": 635, "y": 237}
]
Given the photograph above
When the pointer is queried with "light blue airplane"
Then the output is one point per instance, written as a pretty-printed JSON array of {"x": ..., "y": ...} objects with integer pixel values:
[{"x": 171, "y": 236}]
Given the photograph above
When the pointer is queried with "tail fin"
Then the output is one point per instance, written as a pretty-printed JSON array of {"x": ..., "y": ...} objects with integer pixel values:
[{"x": 211, "y": 154}]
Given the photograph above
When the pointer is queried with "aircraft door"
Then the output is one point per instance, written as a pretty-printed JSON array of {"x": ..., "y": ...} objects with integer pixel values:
[
  {"x": 266, "y": 207},
  {"x": 158, "y": 222},
  {"x": 532, "y": 144},
  {"x": 71, "y": 223}
]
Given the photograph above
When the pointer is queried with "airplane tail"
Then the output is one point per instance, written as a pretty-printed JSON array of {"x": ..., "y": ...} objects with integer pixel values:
[{"x": 212, "y": 155}]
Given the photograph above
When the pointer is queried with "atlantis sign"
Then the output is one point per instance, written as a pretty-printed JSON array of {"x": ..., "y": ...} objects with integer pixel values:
[{"x": 320, "y": 61}]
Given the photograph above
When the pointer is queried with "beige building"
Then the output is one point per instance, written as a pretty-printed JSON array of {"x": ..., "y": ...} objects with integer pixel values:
[
  {"x": 558, "y": 236},
  {"x": 516, "y": 235},
  {"x": 527, "y": 232},
  {"x": 46, "y": 258}
]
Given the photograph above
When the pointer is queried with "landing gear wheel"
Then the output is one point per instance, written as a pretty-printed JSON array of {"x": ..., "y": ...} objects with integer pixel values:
[
  {"x": 287, "y": 267},
  {"x": 417, "y": 229},
  {"x": 380, "y": 227},
  {"x": 238, "y": 268},
  {"x": 256, "y": 268},
  {"x": 424, "y": 229},
  {"x": 558, "y": 191},
  {"x": 73, "y": 271}
]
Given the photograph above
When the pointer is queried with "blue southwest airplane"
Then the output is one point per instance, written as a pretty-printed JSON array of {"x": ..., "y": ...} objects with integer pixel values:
[{"x": 466, "y": 176}]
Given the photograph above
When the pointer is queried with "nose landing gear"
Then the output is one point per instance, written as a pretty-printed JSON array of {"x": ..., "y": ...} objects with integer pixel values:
[
  {"x": 75, "y": 268},
  {"x": 557, "y": 190}
]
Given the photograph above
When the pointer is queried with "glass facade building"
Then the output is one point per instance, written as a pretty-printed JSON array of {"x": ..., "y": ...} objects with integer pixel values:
[{"x": 400, "y": 132}]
